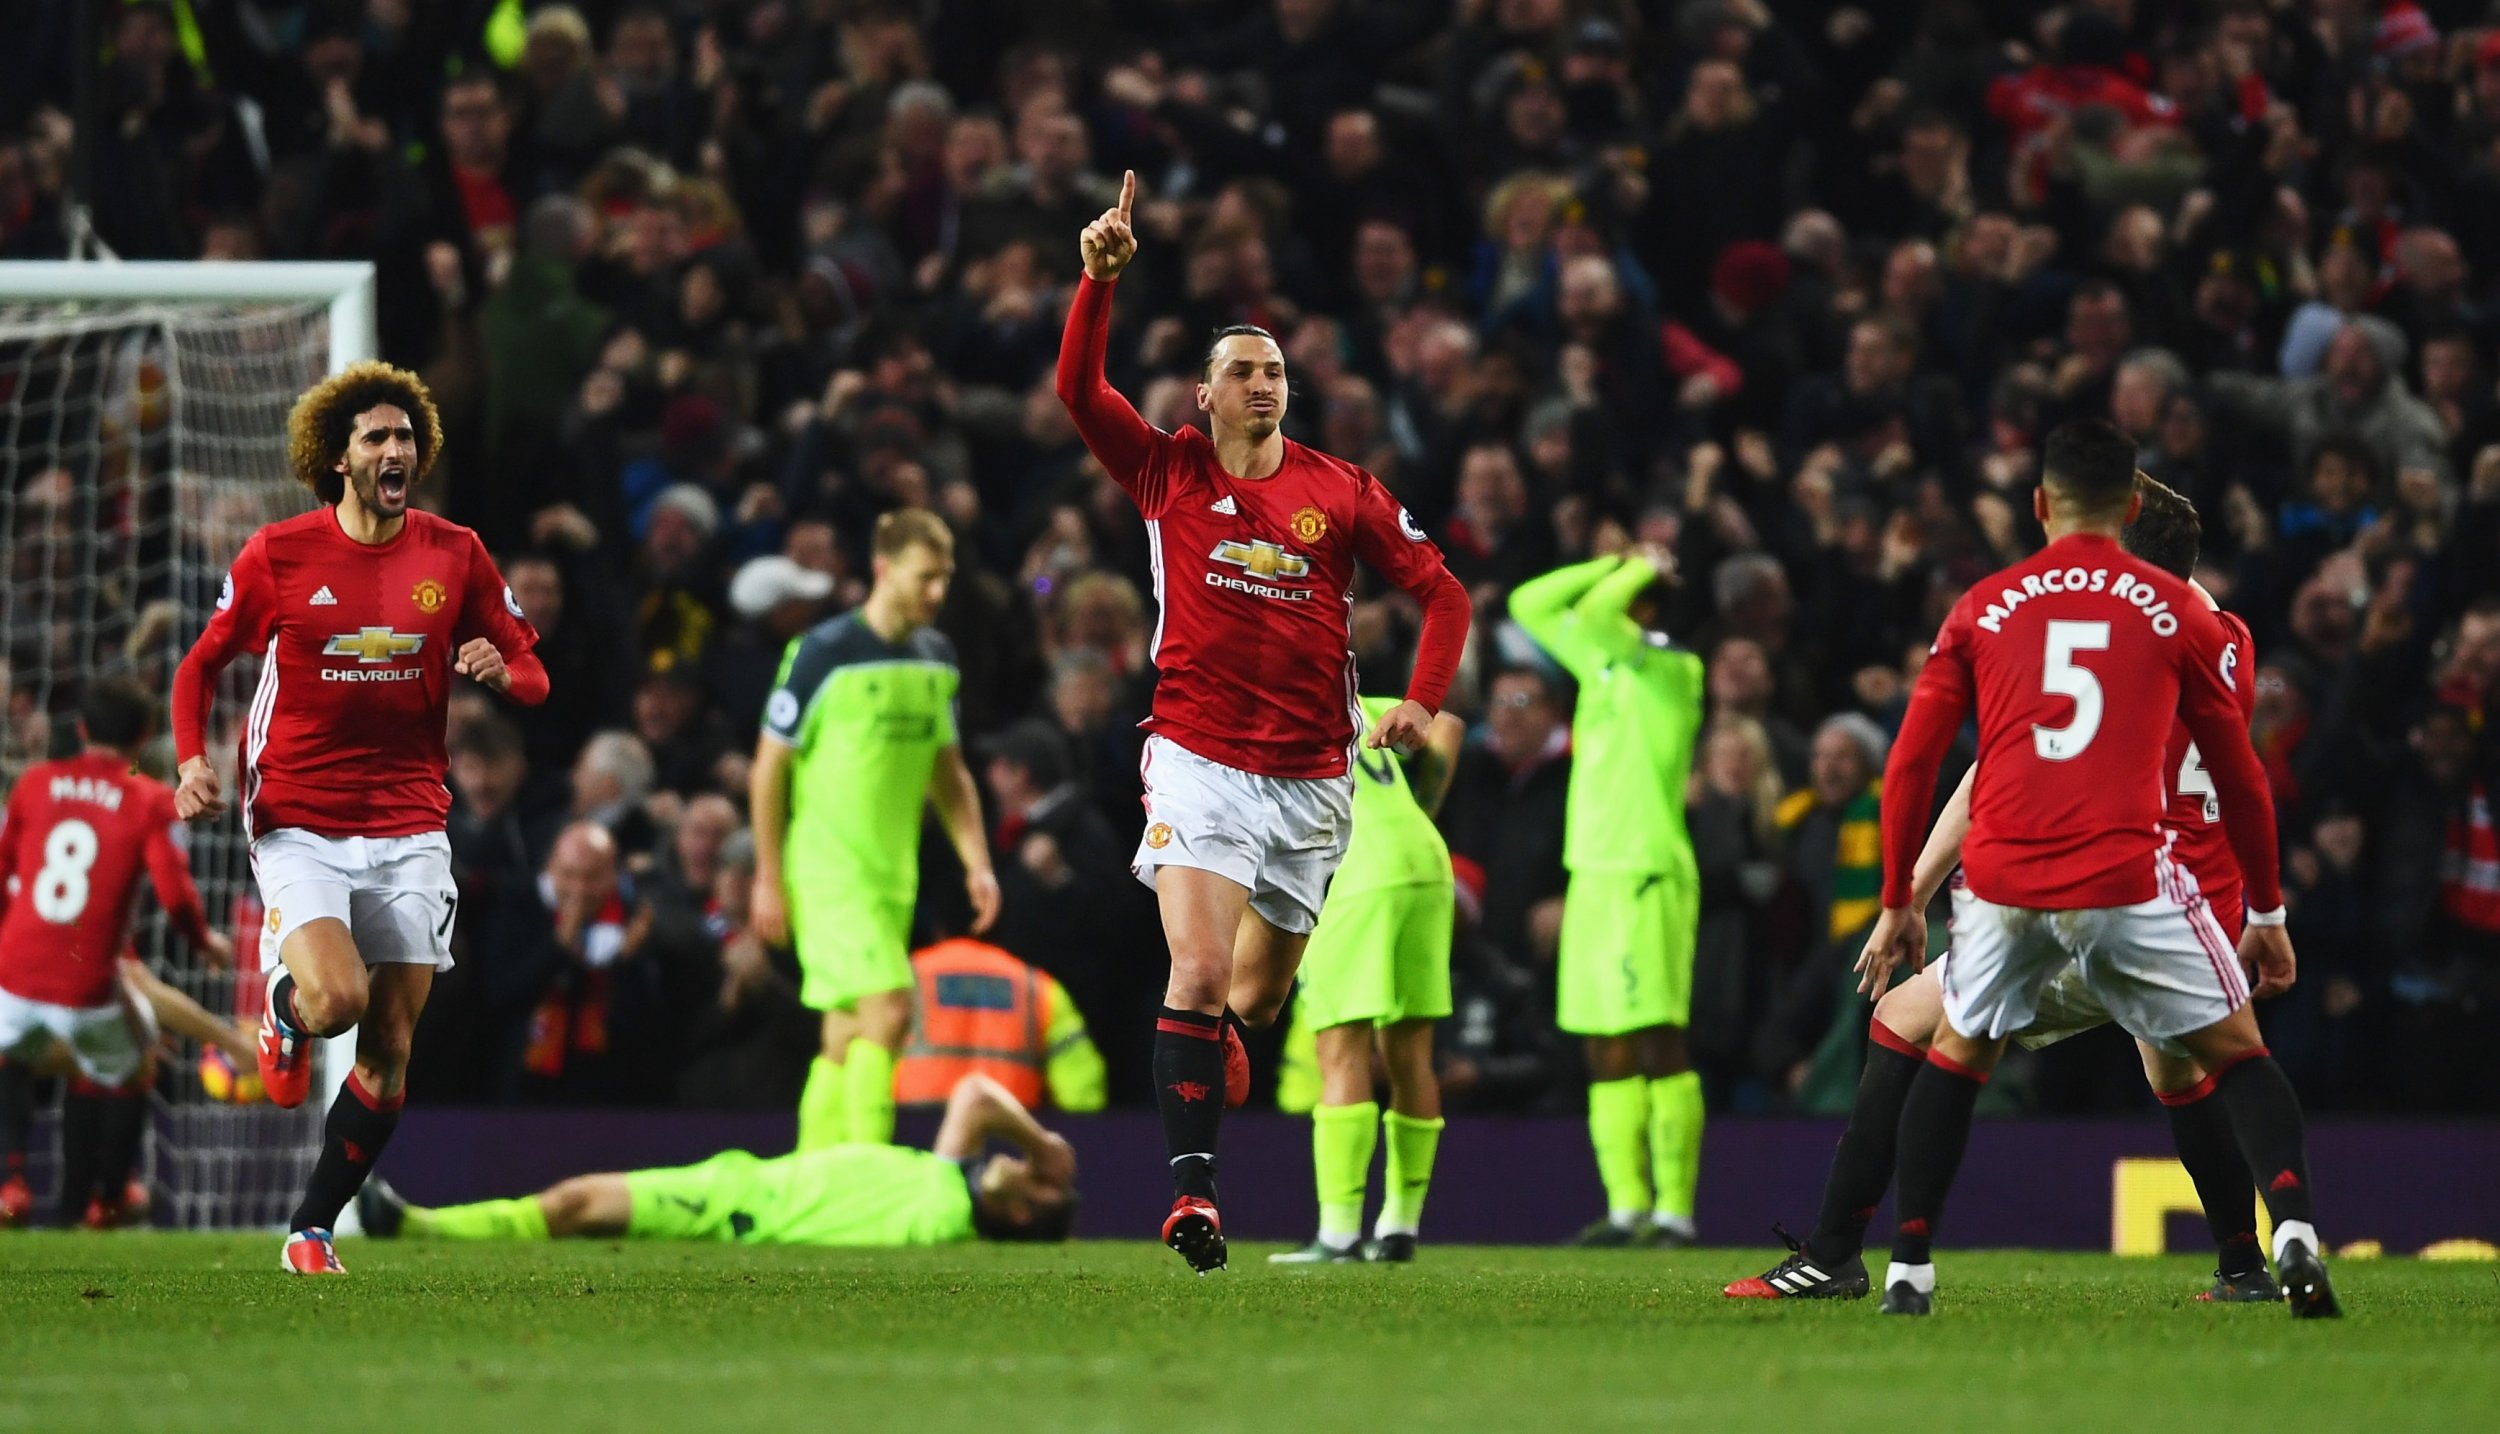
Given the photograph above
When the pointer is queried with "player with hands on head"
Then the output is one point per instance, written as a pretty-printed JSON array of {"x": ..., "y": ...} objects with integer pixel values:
[{"x": 1255, "y": 724}]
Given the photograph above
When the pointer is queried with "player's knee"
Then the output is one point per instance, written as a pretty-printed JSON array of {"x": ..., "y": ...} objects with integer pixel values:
[
  {"x": 1904, "y": 1017},
  {"x": 1199, "y": 980},
  {"x": 888, "y": 1023},
  {"x": 331, "y": 1009},
  {"x": 566, "y": 1206},
  {"x": 1258, "y": 1009}
]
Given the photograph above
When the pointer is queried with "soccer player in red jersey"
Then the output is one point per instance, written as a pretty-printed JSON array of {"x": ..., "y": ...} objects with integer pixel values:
[
  {"x": 362, "y": 611},
  {"x": 1246, "y": 769},
  {"x": 1826, "y": 1265},
  {"x": 2070, "y": 658},
  {"x": 78, "y": 836}
]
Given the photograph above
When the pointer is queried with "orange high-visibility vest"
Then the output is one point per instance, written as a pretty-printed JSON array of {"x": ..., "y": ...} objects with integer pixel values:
[{"x": 976, "y": 1009}]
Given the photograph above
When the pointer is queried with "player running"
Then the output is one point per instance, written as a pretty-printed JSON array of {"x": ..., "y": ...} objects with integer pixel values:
[
  {"x": 79, "y": 834},
  {"x": 362, "y": 611},
  {"x": 1624, "y": 972},
  {"x": 881, "y": 1196},
  {"x": 858, "y": 734},
  {"x": 1826, "y": 1265},
  {"x": 1378, "y": 970},
  {"x": 1254, "y": 539},
  {"x": 2066, "y": 860}
]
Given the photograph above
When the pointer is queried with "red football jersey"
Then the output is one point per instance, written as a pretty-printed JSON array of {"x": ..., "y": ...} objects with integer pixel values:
[
  {"x": 2195, "y": 809},
  {"x": 2079, "y": 659},
  {"x": 78, "y": 835},
  {"x": 345, "y": 734},
  {"x": 1254, "y": 579}
]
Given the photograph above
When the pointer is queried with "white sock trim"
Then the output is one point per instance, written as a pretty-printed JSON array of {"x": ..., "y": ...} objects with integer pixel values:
[
  {"x": 1921, "y": 1278},
  {"x": 1677, "y": 1224},
  {"x": 1382, "y": 1230},
  {"x": 1624, "y": 1219},
  {"x": 1340, "y": 1239},
  {"x": 2291, "y": 1230}
]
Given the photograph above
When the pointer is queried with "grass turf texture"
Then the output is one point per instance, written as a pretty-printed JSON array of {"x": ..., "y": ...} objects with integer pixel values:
[{"x": 203, "y": 1333}]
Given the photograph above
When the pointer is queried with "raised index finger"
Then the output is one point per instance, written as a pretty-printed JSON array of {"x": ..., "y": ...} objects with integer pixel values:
[{"x": 1128, "y": 192}]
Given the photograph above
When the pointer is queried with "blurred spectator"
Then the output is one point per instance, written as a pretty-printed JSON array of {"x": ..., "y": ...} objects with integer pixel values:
[{"x": 706, "y": 290}]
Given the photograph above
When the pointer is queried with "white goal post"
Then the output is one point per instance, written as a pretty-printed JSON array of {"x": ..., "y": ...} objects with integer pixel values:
[
  {"x": 346, "y": 290},
  {"x": 143, "y": 415}
]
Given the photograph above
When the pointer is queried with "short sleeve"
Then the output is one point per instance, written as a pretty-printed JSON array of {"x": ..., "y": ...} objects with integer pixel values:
[
  {"x": 805, "y": 666},
  {"x": 1388, "y": 537},
  {"x": 941, "y": 649}
]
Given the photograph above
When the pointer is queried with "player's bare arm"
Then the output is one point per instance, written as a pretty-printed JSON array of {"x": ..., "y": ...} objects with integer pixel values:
[
  {"x": 1894, "y": 942},
  {"x": 958, "y": 804},
  {"x": 768, "y": 804},
  {"x": 980, "y": 1110}
]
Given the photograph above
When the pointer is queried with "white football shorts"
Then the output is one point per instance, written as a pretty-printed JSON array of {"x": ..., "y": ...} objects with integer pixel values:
[
  {"x": 2160, "y": 968},
  {"x": 1281, "y": 837},
  {"x": 394, "y": 894},
  {"x": 108, "y": 1043}
]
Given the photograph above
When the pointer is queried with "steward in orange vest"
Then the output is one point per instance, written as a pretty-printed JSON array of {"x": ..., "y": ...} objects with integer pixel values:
[{"x": 977, "y": 1008}]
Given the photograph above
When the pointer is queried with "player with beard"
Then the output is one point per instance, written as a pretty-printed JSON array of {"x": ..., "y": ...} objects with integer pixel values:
[
  {"x": 361, "y": 611},
  {"x": 1247, "y": 765}
]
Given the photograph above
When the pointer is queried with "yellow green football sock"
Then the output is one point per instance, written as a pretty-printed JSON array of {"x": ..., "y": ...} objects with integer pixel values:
[
  {"x": 1675, "y": 1117},
  {"x": 520, "y": 1219},
  {"x": 1618, "y": 1128},
  {"x": 822, "y": 1119},
  {"x": 1412, "y": 1144},
  {"x": 1342, "y": 1139},
  {"x": 868, "y": 1086}
]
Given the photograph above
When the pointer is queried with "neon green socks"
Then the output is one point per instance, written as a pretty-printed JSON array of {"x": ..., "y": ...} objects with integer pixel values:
[
  {"x": 1675, "y": 1116},
  {"x": 520, "y": 1219},
  {"x": 868, "y": 1088},
  {"x": 1342, "y": 1139},
  {"x": 823, "y": 1120},
  {"x": 1618, "y": 1128},
  {"x": 1412, "y": 1144}
]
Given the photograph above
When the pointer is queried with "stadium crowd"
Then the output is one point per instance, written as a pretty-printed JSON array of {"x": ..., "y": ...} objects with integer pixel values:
[{"x": 1790, "y": 289}]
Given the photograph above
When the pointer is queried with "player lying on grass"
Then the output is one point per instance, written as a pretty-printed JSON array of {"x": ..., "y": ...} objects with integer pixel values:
[
  {"x": 80, "y": 835},
  {"x": 1378, "y": 971},
  {"x": 843, "y": 1195},
  {"x": 1827, "y": 1264}
]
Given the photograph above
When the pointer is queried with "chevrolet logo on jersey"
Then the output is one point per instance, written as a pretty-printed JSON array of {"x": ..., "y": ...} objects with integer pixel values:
[
  {"x": 1261, "y": 559},
  {"x": 374, "y": 644}
]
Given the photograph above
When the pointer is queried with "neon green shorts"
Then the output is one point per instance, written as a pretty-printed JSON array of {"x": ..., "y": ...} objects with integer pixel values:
[
  {"x": 1379, "y": 955},
  {"x": 716, "y": 1199},
  {"x": 848, "y": 947},
  {"x": 1626, "y": 960}
]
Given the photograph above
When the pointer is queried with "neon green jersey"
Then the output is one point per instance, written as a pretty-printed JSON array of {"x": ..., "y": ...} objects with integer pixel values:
[
  {"x": 1394, "y": 842},
  {"x": 867, "y": 718},
  {"x": 1632, "y": 734}
]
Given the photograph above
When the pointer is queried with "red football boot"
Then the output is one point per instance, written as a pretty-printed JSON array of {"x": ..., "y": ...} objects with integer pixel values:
[
  {"x": 1236, "y": 1069},
  {"x": 1196, "y": 1232},
  {"x": 286, "y": 1062},
  {"x": 309, "y": 1252},
  {"x": 17, "y": 1203}
]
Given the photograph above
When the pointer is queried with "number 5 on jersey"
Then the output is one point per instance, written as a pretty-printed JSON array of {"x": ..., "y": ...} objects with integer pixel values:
[{"x": 2061, "y": 677}]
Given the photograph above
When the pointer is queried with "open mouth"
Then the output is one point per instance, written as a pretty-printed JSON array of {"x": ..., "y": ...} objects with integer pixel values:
[{"x": 391, "y": 484}]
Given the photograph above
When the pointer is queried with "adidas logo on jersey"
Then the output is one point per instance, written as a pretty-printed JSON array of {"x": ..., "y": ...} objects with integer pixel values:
[
  {"x": 1225, "y": 506},
  {"x": 324, "y": 598}
]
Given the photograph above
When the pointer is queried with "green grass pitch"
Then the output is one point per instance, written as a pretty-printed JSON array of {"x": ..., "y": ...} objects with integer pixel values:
[{"x": 168, "y": 1332}]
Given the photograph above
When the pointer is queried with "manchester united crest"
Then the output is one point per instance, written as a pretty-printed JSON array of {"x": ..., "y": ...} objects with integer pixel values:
[
  {"x": 430, "y": 596},
  {"x": 1158, "y": 836},
  {"x": 1310, "y": 525}
]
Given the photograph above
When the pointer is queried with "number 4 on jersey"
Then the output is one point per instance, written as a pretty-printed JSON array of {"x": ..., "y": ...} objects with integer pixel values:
[{"x": 2195, "y": 781}]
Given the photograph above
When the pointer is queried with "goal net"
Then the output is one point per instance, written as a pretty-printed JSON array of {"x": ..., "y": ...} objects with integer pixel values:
[{"x": 142, "y": 439}]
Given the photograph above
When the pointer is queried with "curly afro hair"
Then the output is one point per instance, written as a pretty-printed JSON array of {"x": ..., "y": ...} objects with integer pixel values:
[{"x": 318, "y": 429}]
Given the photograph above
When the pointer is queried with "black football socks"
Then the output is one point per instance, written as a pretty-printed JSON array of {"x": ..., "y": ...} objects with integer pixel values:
[{"x": 1189, "y": 1092}]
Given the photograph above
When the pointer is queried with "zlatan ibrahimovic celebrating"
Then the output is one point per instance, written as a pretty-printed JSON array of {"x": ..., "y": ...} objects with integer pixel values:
[
  {"x": 361, "y": 610},
  {"x": 1246, "y": 770}
]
